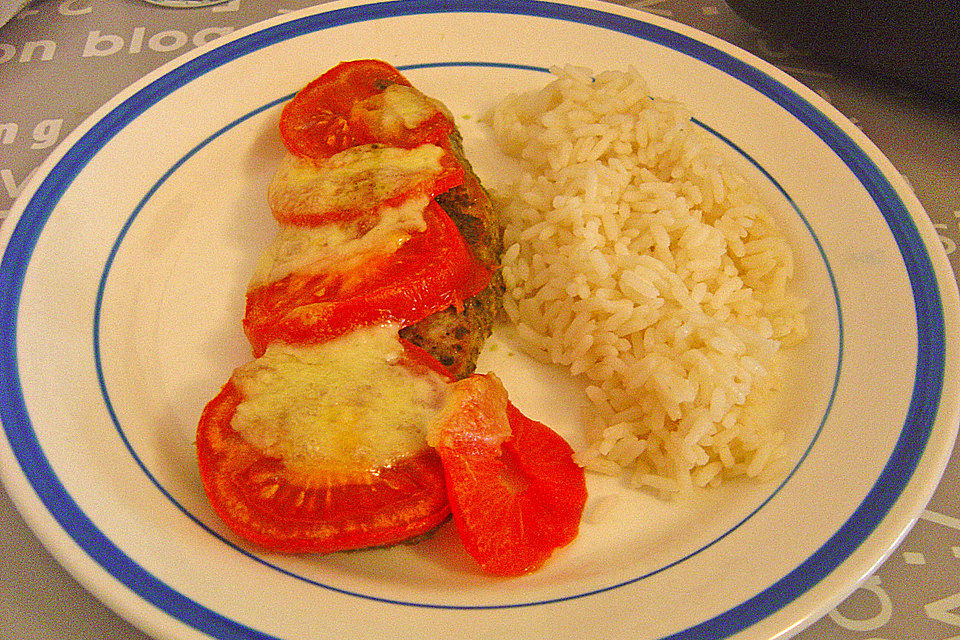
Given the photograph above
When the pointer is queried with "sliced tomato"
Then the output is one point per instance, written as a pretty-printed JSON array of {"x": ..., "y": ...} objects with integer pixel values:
[
  {"x": 314, "y": 122},
  {"x": 348, "y": 184},
  {"x": 515, "y": 498},
  {"x": 431, "y": 271},
  {"x": 324, "y": 118},
  {"x": 301, "y": 508}
]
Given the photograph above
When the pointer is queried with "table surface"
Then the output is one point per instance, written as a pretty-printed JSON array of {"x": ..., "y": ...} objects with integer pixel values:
[{"x": 48, "y": 49}]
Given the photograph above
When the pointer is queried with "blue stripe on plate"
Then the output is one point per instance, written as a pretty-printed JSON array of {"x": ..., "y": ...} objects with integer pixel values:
[{"x": 896, "y": 474}]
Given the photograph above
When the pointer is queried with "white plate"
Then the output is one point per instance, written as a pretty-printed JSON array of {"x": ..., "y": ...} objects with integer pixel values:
[{"x": 122, "y": 283}]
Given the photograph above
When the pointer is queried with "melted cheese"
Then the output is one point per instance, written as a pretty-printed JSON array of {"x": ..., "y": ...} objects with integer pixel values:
[
  {"x": 356, "y": 179},
  {"x": 339, "y": 246},
  {"x": 474, "y": 408},
  {"x": 406, "y": 106},
  {"x": 343, "y": 404},
  {"x": 397, "y": 109}
]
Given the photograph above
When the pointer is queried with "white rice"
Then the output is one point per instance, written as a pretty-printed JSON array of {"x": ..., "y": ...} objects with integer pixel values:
[{"x": 651, "y": 270}]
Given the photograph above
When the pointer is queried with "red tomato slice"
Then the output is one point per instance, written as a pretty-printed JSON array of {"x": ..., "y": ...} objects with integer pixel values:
[
  {"x": 514, "y": 501},
  {"x": 314, "y": 122},
  {"x": 302, "y": 509},
  {"x": 321, "y": 119},
  {"x": 431, "y": 271}
]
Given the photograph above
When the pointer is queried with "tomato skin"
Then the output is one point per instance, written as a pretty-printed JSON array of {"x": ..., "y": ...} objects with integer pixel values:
[
  {"x": 513, "y": 503},
  {"x": 431, "y": 271},
  {"x": 313, "y": 510},
  {"x": 321, "y": 119}
]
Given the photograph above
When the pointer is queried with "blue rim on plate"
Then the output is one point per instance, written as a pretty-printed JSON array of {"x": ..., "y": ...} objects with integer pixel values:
[{"x": 891, "y": 483}]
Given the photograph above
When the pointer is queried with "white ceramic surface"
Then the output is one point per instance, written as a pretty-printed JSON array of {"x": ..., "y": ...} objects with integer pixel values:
[{"x": 123, "y": 274}]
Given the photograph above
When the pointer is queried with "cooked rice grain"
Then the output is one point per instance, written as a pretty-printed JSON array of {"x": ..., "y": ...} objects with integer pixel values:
[{"x": 636, "y": 258}]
